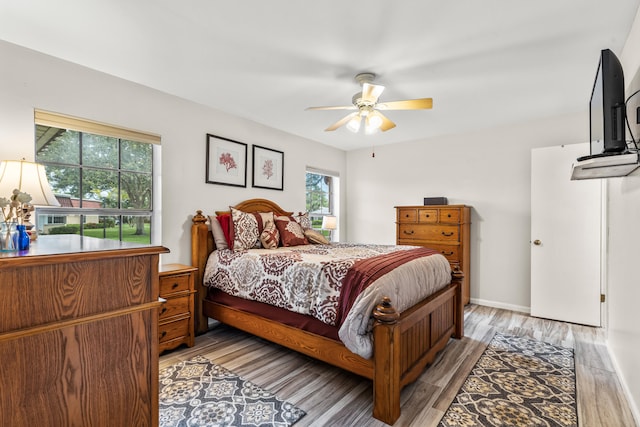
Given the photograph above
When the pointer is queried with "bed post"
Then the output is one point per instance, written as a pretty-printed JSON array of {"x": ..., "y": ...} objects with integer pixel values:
[
  {"x": 199, "y": 253},
  {"x": 457, "y": 277},
  {"x": 386, "y": 370}
]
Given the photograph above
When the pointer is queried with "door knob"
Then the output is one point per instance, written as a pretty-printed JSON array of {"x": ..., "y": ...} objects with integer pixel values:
[{"x": 537, "y": 242}]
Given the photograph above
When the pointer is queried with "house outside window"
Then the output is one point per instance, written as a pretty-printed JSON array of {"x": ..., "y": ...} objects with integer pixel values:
[
  {"x": 322, "y": 198},
  {"x": 101, "y": 175}
]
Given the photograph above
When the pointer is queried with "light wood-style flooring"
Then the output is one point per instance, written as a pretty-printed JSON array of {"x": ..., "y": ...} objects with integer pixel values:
[{"x": 333, "y": 397}]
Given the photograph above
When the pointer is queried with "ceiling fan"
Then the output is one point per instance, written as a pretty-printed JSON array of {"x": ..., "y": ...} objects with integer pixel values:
[{"x": 368, "y": 108}]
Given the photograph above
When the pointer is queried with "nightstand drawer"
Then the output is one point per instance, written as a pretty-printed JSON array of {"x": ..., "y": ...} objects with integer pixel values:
[
  {"x": 429, "y": 232},
  {"x": 175, "y": 306},
  {"x": 173, "y": 330},
  {"x": 173, "y": 284}
]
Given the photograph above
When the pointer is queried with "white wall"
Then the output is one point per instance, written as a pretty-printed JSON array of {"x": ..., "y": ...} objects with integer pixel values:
[
  {"x": 31, "y": 80},
  {"x": 623, "y": 293},
  {"x": 488, "y": 170}
]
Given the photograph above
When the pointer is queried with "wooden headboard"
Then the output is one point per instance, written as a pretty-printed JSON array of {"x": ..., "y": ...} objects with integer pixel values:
[{"x": 202, "y": 245}]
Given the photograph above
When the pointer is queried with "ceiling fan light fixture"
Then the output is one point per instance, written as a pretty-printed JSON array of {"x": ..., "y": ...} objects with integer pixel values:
[
  {"x": 372, "y": 124},
  {"x": 354, "y": 124}
]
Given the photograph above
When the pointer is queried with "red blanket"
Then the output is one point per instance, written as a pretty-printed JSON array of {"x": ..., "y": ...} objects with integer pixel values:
[{"x": 366, "y": 271}]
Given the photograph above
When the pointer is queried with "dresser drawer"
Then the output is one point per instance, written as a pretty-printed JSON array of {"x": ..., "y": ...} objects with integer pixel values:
[
  {"x": 172, "y": 284},
  {"x": 447, "y": 233},
  {"x": 450, "y": 215},
  {"x": 174, "y": 306},
  {"x": 428, "y": 215},
  {"x": 407, "y": 215},
  {"x": 451, "y": 252},
  {"x": 172, "y": 330}
]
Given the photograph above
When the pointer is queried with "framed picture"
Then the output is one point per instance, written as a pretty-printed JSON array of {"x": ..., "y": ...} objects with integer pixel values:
[
  {"x": 268, "y": 166},
  {"x": 226, "y": 161}
]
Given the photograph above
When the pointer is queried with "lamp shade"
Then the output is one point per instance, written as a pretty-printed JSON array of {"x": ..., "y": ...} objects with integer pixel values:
[
  {"x": 28, "y": 177},
  {"x": 329, "y": 222}
]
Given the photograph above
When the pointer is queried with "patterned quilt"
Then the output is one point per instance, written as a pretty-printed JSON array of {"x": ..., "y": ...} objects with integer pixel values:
[{"x": 308, "y": 280}]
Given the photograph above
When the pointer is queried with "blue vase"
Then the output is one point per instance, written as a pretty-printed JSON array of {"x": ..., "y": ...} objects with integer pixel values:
[{"x": 22, "y": 238}]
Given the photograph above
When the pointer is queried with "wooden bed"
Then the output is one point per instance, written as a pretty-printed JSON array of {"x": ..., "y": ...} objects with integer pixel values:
[{"x": 404, "y": 344}]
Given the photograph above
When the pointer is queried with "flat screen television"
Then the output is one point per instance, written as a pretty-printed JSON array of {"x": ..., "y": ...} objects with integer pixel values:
[{"x": 607, "y": 108}]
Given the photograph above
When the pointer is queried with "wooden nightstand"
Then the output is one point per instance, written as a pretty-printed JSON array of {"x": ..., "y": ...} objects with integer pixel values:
[{"x": 176, "y": 315}]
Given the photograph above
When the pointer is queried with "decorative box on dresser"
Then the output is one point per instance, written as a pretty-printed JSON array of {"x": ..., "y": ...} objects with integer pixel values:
[
  {"x": 176, "y": 316},
  {"x": 441, "y": 227},
  {"x": 79, "y": 333}
]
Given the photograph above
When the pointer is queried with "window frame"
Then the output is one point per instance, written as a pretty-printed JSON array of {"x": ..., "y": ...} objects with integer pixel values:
[
  {"x": 332, "y": 196},
  {"x": 84, "y": 126}
]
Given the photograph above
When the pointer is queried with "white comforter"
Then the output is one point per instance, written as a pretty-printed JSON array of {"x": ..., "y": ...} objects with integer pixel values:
[{"x": 307, "y": 280}]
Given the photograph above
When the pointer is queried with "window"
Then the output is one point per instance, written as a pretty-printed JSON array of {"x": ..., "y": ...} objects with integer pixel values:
[
  {"x": 101, "y": 175},
  {"x": 322, "y": 197}
]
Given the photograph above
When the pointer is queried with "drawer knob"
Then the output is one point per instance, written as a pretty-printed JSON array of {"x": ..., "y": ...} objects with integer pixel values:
[
  {"x": 446, "y": 253},
  {"x": 448, "y": 215},
  {"x": 175, "y": 285},
  {"x": 447, "y": 234},
  {"x": 427, "y": 215},
  {"x": 407, "y": 232},
  {"x": 164, "y": 309},
  {"x": 163, "y": 333}
]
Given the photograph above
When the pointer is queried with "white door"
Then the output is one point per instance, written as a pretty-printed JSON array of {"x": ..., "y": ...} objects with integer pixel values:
[{"x": 566, "y": 230}]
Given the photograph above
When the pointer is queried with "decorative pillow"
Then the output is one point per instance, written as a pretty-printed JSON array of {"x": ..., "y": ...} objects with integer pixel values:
[
  {"x": 270, "y": 237},
  {"x": 246, "y": 232},
  {"x": 315, "y": 237},
  {"x": 247, "y": 228},
  {"x": 304, "y": 220},
  {"x": 291, "y": 233},
  {"x": 218, "y": 234},
  {"x": 225, "y": 225}
]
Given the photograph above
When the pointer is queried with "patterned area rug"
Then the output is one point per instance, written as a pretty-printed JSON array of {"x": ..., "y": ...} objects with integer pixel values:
[
  {"x": 200, "y": 393},
  {"x": 517, "y": 382}
]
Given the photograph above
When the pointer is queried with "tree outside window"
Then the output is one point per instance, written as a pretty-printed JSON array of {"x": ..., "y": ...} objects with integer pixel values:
[
  {"x": 320, "y": 198},
  {"x": 104, "y": 184}
]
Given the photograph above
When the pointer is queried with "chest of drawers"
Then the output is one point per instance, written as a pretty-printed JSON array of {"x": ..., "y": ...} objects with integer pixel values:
[
  {"x": 176, "y": 316},
  {"x": 441, "y": 227}
]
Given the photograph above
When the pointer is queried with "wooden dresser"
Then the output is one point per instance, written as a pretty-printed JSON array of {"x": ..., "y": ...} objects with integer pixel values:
[
  {"x": 176, "y": 317},
  {"x": 441, "y": 227},
  {"x": 79, "y": 333}
]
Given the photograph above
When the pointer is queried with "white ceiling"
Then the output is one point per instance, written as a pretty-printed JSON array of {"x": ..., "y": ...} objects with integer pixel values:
[{"x": 485, "y": 63}]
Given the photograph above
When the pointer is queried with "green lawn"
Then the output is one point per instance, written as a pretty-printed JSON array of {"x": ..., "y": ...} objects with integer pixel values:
[{"x": 127, "y": 234}]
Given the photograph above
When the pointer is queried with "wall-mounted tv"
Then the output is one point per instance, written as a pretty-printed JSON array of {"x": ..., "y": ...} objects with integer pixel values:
[{"x": 607, "y": 108}]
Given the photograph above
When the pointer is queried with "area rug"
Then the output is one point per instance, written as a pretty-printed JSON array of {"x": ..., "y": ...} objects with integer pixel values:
[
  {"x": 197, "y": 392},
  {"x": 517, "y": 382}
]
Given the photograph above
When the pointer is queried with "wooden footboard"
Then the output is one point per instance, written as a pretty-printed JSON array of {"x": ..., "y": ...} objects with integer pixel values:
[{"x": 404, "y": 344}]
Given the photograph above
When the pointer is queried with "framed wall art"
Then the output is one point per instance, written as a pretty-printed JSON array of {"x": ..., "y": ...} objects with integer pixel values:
[
  {"x": 226, "y": 161},
  {"x": 268, "y": 167}
]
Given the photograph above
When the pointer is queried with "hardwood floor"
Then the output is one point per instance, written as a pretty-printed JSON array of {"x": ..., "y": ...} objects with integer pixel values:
[{"x": 333, "y": 397}]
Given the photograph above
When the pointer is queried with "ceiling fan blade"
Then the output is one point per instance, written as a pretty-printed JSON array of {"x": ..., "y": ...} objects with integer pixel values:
[
  {"x": 343, "y": 121},
  {"x": 386, "y": 123},
  {"x": 407, "y": 104},
  {"x": 371, "y": 93},
  {"x": 337, "y": 107}
]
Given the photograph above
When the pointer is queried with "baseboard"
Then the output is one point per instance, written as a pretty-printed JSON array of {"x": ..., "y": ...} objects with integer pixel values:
[
  {"x": 616, "y": 367},
  {"x": 502, "y": 305}
]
